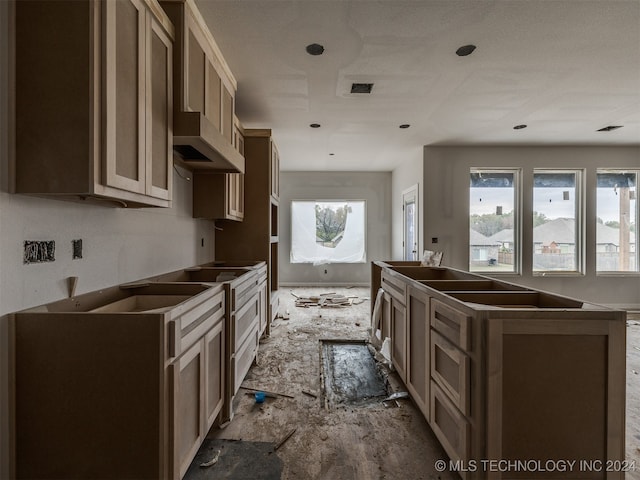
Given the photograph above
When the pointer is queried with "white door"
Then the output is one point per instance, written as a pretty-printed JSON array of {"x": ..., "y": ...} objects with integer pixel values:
[{"x": 410, "y": 230}]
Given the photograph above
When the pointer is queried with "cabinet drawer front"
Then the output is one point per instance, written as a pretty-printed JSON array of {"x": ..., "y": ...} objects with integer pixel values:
[
  {"x": 450, "y": 370},
  {"x": 246, "y": 320},
  {"x": 241, "y": 361},
  {"x": 244, "y": 291},
  {"x": 449, "y": 425},
  {"x": 452, "y": 324},
  {"x": 394, "y": 286},
  {"x": 187, "y": 329}
]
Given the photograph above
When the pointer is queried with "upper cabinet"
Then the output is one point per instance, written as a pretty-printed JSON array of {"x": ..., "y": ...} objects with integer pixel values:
[
  {"x": 93, "y": 101},
  {"x": 220, "y": 197},
  {"x": 204, "y": 95}
]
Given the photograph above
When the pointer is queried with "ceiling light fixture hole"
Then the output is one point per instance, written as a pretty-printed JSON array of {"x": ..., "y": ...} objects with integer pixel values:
[
  {"x": 609, "y": 128},
  {"x": 315, "y": 49},
  {"x": 405, "y": 125},
  {"x": 465, "y": 50},
  {"x": 315, "y": 125},
  {"x": 519, "y": 127}
]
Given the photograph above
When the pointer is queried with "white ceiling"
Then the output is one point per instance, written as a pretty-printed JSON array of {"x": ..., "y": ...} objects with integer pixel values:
[{"x": 565, "y": 68}]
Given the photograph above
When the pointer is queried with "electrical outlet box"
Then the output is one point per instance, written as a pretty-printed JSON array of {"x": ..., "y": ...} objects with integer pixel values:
[
  {"x": 36, "y": 251},
  {"x": 77, "y": 248}
]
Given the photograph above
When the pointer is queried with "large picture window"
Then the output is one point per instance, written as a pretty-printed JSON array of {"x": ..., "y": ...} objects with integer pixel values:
[
  {"x": 617, "y": 222},
  {"x": 493, "y": 220},
  {"x": 557, "y": 238},
  {"x": 328, "y": 231}
]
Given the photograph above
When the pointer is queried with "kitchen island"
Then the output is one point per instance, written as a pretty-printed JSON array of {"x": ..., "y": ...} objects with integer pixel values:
[{"x": 514, "y": 382}]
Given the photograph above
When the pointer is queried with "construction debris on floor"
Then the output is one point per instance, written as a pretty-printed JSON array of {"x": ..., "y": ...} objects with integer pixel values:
[{"x": 327, "y": 300}]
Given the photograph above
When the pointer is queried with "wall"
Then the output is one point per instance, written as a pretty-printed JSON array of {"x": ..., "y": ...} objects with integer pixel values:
[
  {"x": 406, "y": 175},
  {"x": 446, "y": 210},
  {"x": 119, "y": 245},
  {"x": 373, "y": 187}
]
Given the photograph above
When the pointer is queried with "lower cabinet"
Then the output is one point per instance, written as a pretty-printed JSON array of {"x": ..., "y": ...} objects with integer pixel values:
[
  {"x": 197, "y": 381},
  {"x": 398, "y": 318},
  {"x": 449, "y": 425},
  {"x": 418, "y": 358},
  {"x": 187, "y": 379},
  {"x": 127, "y": 379},
  {"x": 501, "y": 372}
]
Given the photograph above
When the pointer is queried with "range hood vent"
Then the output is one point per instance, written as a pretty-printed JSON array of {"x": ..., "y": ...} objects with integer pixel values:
[{"x": 198, "y": 145}]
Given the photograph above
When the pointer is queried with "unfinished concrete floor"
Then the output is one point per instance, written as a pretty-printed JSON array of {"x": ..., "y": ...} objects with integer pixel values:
[{"x": 365, "y": 442}]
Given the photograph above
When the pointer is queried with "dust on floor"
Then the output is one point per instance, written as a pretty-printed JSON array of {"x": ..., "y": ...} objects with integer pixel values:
[{"x": 344, "y": 442}]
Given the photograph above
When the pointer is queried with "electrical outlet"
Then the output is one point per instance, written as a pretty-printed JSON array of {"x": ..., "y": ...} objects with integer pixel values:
[
  {"x": 39, "y": 251},
  {"x": 325, "y": 271},
  {"x": 76, "y": 246}
]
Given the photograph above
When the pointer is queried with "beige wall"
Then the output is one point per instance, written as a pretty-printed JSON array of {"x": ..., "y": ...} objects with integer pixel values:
[
  {"x": 373, "y": 187},
  {"x": 446, "y": 210},
  {"x": 406, "y": 175},
  {"x": 119, "y": 245}
]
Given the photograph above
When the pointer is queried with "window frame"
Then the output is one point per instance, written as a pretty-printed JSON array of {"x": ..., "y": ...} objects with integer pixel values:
[
  {"x": 517, "y": 221},
  {"x": 580, "y": 224},
  {"x": 636, "y": 218},
  {"x": 321, "y": 201}
]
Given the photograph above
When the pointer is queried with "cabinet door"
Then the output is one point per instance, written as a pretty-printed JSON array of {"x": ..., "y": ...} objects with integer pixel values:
[
  {"x": 275, "y": 171},
  {"x": 212, "y": 96},
  {"x": 214, "y": 373},
  {"x": 418, "y": 344},
  {"x": 264, "y": 306},
  {"x": 235, "y": 196},
  {"x": 124, "y": 98},
  {"x": 227, "y": 114},
  {"x": 399, "y": 338},
  {"x": 188, "y": 403},
  {"x": 159, "y": 116}
]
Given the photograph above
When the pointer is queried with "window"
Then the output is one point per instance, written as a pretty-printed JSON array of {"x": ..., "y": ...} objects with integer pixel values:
[
  {"x": 493, "y": 220},
  {"x": 556, "y": 221},
  {"x": 328, "y": 231},
  {"x": 616, "y": 227}
]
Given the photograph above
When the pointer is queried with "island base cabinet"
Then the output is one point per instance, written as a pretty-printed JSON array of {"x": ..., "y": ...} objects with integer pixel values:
[
  {"x": 399, "y": 338},
  {"x": 418, "y": 333},
  {"x": 450, "y": 427},
  {"x": 556, "y": 376}
]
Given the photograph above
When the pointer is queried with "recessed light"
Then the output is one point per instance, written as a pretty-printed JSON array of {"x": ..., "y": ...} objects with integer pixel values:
[
  {"x": 331, "y": 154},
  {"x": 315, "y": 49},
  {"x": 609, "y": 128},
  {"x": 519, "y": 127},
  {"x": 405, "y": 125},
  {"x": 465, "y": 50},
  {"x": 315, "y": 125}
]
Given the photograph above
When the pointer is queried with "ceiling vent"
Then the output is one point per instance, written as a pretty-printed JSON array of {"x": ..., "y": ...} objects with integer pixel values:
[
  {"x": 361, "y": 87},
  {"x": 610, "y": 128}
]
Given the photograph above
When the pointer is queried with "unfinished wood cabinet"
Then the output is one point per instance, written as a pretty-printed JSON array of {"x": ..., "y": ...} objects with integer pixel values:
[
  {"x": 130, "y": 378},
  {"x": 274, "y": 174},
  {"x": 256, "y": 237},
  {"x": 504, "y": 372},
  {"x": 418, "y": 358},
  {"x": 204, "y": 96},
  {"x": 399, "y": 337},
  {"x": 93, "y": 102},
  {"x": 187, "y": 379},
  {"x": 220, "y": 196}
]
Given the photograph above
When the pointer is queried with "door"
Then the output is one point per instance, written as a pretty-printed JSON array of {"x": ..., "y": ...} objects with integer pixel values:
[{"x": 410, "y": 223}]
